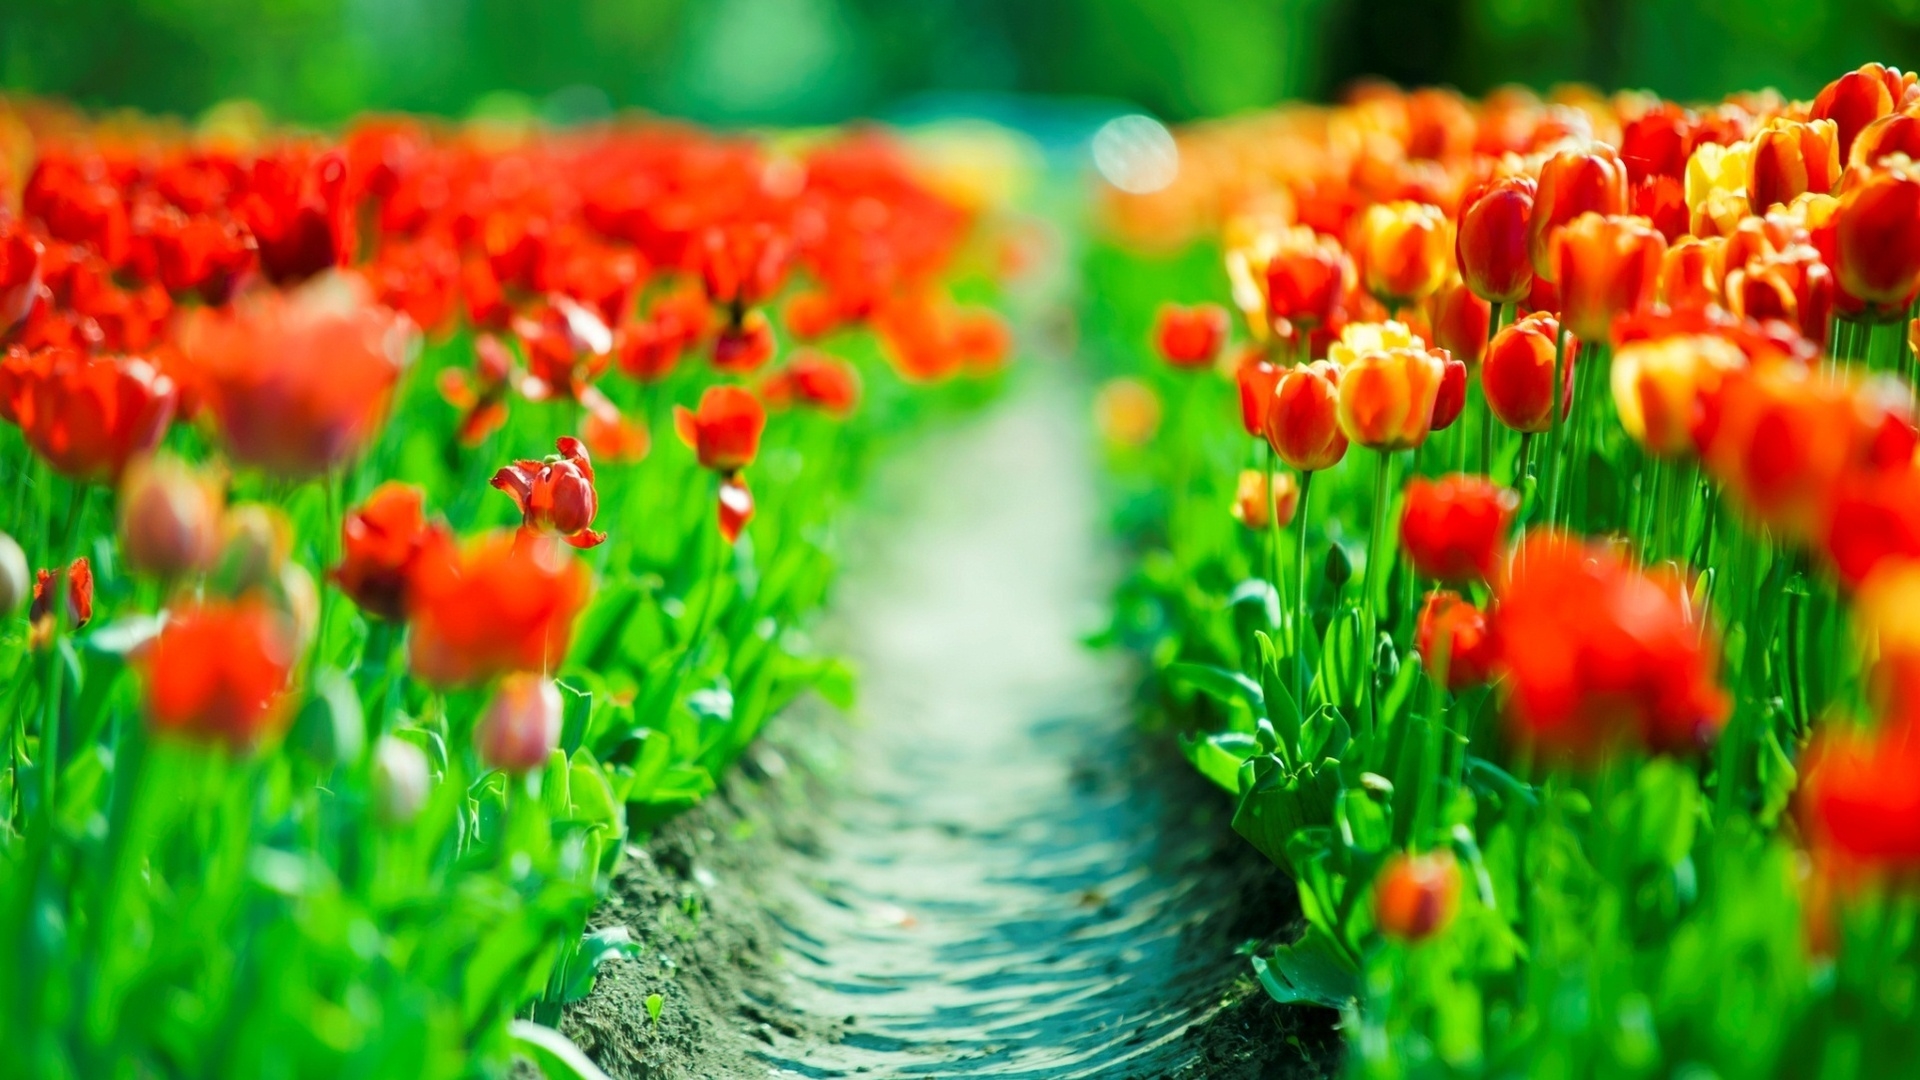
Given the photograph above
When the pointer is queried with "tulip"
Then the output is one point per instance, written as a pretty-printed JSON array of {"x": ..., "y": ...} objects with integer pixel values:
[
  {"x": 1303, "y": 417},
  {"x": 742, "y": 264},
  {"x": 401, "y": 780},
  {"x": 1255, "y": 379},
  {"x": 88, "y": 416},
  {"x": 1662, "y": 201},
  {"x": 496, "y": 605},
  {"x": 14, "y": 586},
  {"x": 1517, "y": 375},
  {"x": 1450, "y": 624},
  {"x": 1717, "y": 176},
  {"x": 725, "y": 431},
  {"x": 1596, "y": 651},
  {"x": 567, "y": 345},
  {"x": 1790, "y": 159},
  {"x": 1605, "y": 267},
  {"x": 1895, "y": 133},
  {"x": 1877, "y": 238},
  {"x": 1871, "y": 522},
  {"x": 1491, "y": 247},
  {"x": 1858, "y": 98},
  {"x": 1690, "y": 273},
  {"x": 1794, "y": 286},
  {"x": 521, "y": 726},
  {"x": 217, "y": 673},
  {"x": 982, "y": 340},
  {"x": 745, "y": 348},
  {"x": 556, "y": 495},
  {"x": 810, "y": 316},
  {"x": 1661, "y": 387},
  {"x": 1461, "y": 323},
  {"x": 650, "y": 348},
  {"x": 1258, "y": 506},
  {"x": 1856, "y": 799},
  {"x": 1403, "y": 249},
  {"x": 1306, "y": 280},
  {"x": 77, "y": 580},
  {"x": 1127, "y": 412},
  {"x": 1657, "y": 142},
  {"x": 816, "y": 380},
  {"x": 299, "y": 384},
  {"x": 380, "y": 542},
  {"x": 1455, "y": 528},
  {"x": 1451, "y": 398},
  {"x": 1416, "y": 896},
  {"x": 1572, "y": 183},
  {"x": 735, "y": 504},
  {"x": 20, "y": 258},
  {"x": 1190, "y": 337},
  {"x": 1885, "y": 609},
  {"x": 1387, "y": 396},
  {"x": 169, "y": 518}
]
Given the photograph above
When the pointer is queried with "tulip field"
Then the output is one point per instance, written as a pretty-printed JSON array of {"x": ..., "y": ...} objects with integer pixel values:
[{"x": 1519, "y": 502}]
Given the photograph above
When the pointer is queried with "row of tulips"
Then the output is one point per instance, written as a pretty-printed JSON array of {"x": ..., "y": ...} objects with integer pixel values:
[
  {"x": 1601, "y": 762},
  {"x": 337, "y": 699}
]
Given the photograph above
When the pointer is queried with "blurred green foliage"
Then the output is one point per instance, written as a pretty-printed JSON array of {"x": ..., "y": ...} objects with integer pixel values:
[{"x": 788, "y": 61}]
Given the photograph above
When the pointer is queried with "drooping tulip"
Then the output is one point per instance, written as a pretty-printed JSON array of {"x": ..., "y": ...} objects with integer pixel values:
[
  {"x": 521, "y": 726},
  {"x": 1416, "y": 896},
  {"x": 1303, "y": 417},
  {"x": 1605, "y": 267},
  {"x": 1404, "y": 250},
  {"x": 380, "y": 542},
  {"x": 1572, "y": 183},
  {"x": 1455, "y": 528},
  {"x": 218, "y": 671},
  {"x": 724, "y": 431},
  {"x": 1190, "y": 337},
  {"x": 1491, "y": 247},
  {"x": 556, "y": 495},
  {"x": 500, "y": 603}
]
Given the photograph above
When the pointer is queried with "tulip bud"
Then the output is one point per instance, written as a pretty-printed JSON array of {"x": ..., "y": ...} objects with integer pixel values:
[
  {"x": 401, "y": 780},
  {"x": 1415, "y": 896},
  {"x": 1190, "y": 337},
  {"x": 1303, "y": 417},
  {"x": 169, "y": 518},
  {"x": 1517, "y": 375},
  {"x": 15, "y": 584},
  {"x": 735, "y": 507},
  {"x": 1387, "y": 398},
  {"x": 1790, "y": 159},
  {"x": 1572, "y": 183},
  {"x": 1451, "y": 399},
  {"x": 521, "y": 726},
  {"x": 1461, "y": 322},
  {"x": 1451, "y": 623},
  {"x": 1877, "y": 238},
  {"x": 1492, "y": 244},
  {"x": 1605, "y": 267},
  {"x": 1254, "y": 511},
  {"x": 1402, "y": 248},
  {"x": 1255, "y": 379}
]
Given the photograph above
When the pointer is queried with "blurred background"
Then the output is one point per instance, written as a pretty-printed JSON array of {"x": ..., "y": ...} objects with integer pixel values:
[{"x": 805, "y": 61}]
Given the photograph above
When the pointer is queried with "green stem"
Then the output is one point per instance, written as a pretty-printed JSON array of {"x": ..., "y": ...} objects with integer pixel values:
[
  {"x": 1485, "y": 410},
  {"x": 1374, "y": 577},
  {"x": 1273, "y": 528},
  {"x": 1301, "y": 628},
  {"x": 1553, "y": 431}
]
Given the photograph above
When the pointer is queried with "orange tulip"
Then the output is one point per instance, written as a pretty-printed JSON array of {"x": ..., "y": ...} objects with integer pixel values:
[
  {"x": 501, "y": 603},
  {"x": 1387, "y": 398},
  {"x": 725, "y": 431},
  {"x": 1491, "y": 247},
  {"x": 380, "y": 542},
  {"x": 1605, "y": 267},
  {"x": 556, "y": 495},
  {"x": 1690, "y": 273},
  {"x": 1790, "y": 159},
  {"x": 88, "y": 416},
  {"x": 1572, "y": 183},
  {"x": 1894, "y": 133},
  {"x": 218, "y": 672},
  {"x": 1877, "y": 238},
  {"x": 1416, "y": 896},
  {"x": 1404, "y": 250},
  {"x": 1517, "y": 375},
  {"x": 1190, "y": 337},
  {"x": 1662, "y": 387},
  {"x": 1794, "y": 286},
  {"x": 1256, "y": 506},
  {"x": 1449, "y": 622},
  {"x": 1303, "y": 417}
]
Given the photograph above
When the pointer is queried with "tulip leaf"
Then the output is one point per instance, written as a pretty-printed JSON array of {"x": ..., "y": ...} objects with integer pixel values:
[
  {"x": 1218, "y": 757},
  {"x": 1312, "y": 971},
  {"x": 1220, "y": 684},
  {"x": 553, "y": 1053}
]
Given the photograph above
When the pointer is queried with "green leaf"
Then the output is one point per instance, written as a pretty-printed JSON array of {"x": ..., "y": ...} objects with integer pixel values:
[
  {"x": 1220, "y": 684},
  {"x": 1275, "y": 804},
  {"x": 1219, "y": 757},
  {"x": 553, "y": 1052},
  {"x": 1312, "y": 971}
]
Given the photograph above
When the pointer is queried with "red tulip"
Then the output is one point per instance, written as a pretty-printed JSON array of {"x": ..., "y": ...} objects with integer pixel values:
[
  {"x": 1872, "y": 521},
  {"x": 1877, "y": 238},
  {"x": 1415, "y": 896},
  {"x": 218, "y": 673},
  {"x": 1572, "y": 183},
  {"x": 1858, "y": 799},
  {"x": 78, "y": 581},
  {"x": 816, "y": 380},
  {"x": 1794, "y": 286},
  {"x": 556, "y": 495},
  {"x": 1860, "y": 97},
  {"x": 1605, "y": 267},
  {"x": 87, "y": 415},
  {"x": 1451, "y": 399},
  {"x": 1190, "y": 337},
  {"x": 501, "y": 603},
  {"x": 1517, "y": 375},
  {"x": 20, "y": 254},
  {"x": 1895, "y": 133},
  {"x": 1303, "y": 417},
  {"x": 1307, "y": 280},
  {"x": 1461, "y": 322},
  {"x": 744, "y": 348},
  {"x": 1491, "y": 247},
  {"x": 380, "y": 543},
  {"x": 725, "y": 431},
  {"x": 1255, "y": 379},
  {"x": 735, "y": 506},
  {"x": 1454, "y": 529},
  {"x": 1451, "y": 623}
]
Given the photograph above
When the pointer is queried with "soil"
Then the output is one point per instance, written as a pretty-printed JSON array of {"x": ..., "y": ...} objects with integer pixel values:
[{"x": 987, "y": 871}]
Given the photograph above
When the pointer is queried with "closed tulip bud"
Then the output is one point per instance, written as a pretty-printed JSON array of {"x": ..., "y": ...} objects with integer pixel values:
[
  {"x": 1450, "y": 623},
  {"x": 401, "y": 780},
  {"x": 1451, "y": 399},
  {"x": 735, "y": 507},
  {"x": 725, "y": 431},
  {"x": 1387, "y": 398},
  {"x": 169, "y": 518},
  {"x": 1255, "y": 379},
  {"x": 1517, "y": 375},
  {"x": 1491, "y": 247},
  {"x": 1461, "y": 321},
  {"x": 1877, "y": 238},
  {"x": 1794, "y": 287},
  {"x": 1190, "y": 337},
  {"x": 1303, "y": 417},
  {"x": 1455, "y": 528},
  {"x": 256, "y": 541},
  {"x": 1661, "y": 387},
  {"x": 1404, "y": 250},
  {"x": 1895, "y": 133},
  {"x": 1690, "y": 273},
  {"x": 1605, "y": 267},
  {"x": 521, "y": 726},
  {"x": 1790, "y": 159},
  {"x": 1306, "y": 280},
  {"x": 15, "y": 581},
  {"x": 1858, "y": 98},
  {"x": 1415, "y": 896},
  {"x": 1572, "y": 183},
  {"x": 1277, "y": 506}
]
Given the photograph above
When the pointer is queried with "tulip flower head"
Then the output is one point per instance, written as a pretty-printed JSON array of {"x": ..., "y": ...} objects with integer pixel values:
[
  {"x": 725, "y": 430},
  {"x": 1789, "y": 159},
  {"x": 217, "y": 673},
  {"x": 1605, "y": 266},
  {"x": 817, "y": 381},
  {"x": 1857, "y": 801},
  {"x": 1858, "y": 98},
  {"x": 1389, "y": 384},
  {"x": 76, "y": 582},
  {"x": 556, "y": 495},
  {"x": 521, "y": 726},
  {"x": 1255, "y": 379},
  {"x": 498, "y": 604},
  {"x": 1454, "y": 529},
  {"x": 1259, "y": 507},
  {"x": 1517, "y": 375},
  {"x": 1877, "y": 237},
  {"x": 1572, "y": 183},
  {"x": 380, "y": 542},
  {"x": 1190, "y": 337},
  {"x": 1303, "y": 417},
  {"x": 169, "y": 518},
  {"x": 745, "y": 348},
  {"x": 20, "y": 255},
  {"x": 88, "y": 416},
  {"x": 1305, "y": 281},
  {"x": 1662, "y": 387},
  {"x": 1404, "y": 250},
  {"x": 1461, "y": 323},
  {"x": 1491, "y": 247},
  {"x": 1448, "y": 622},
  {"x": 1416, "y": 896}
]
